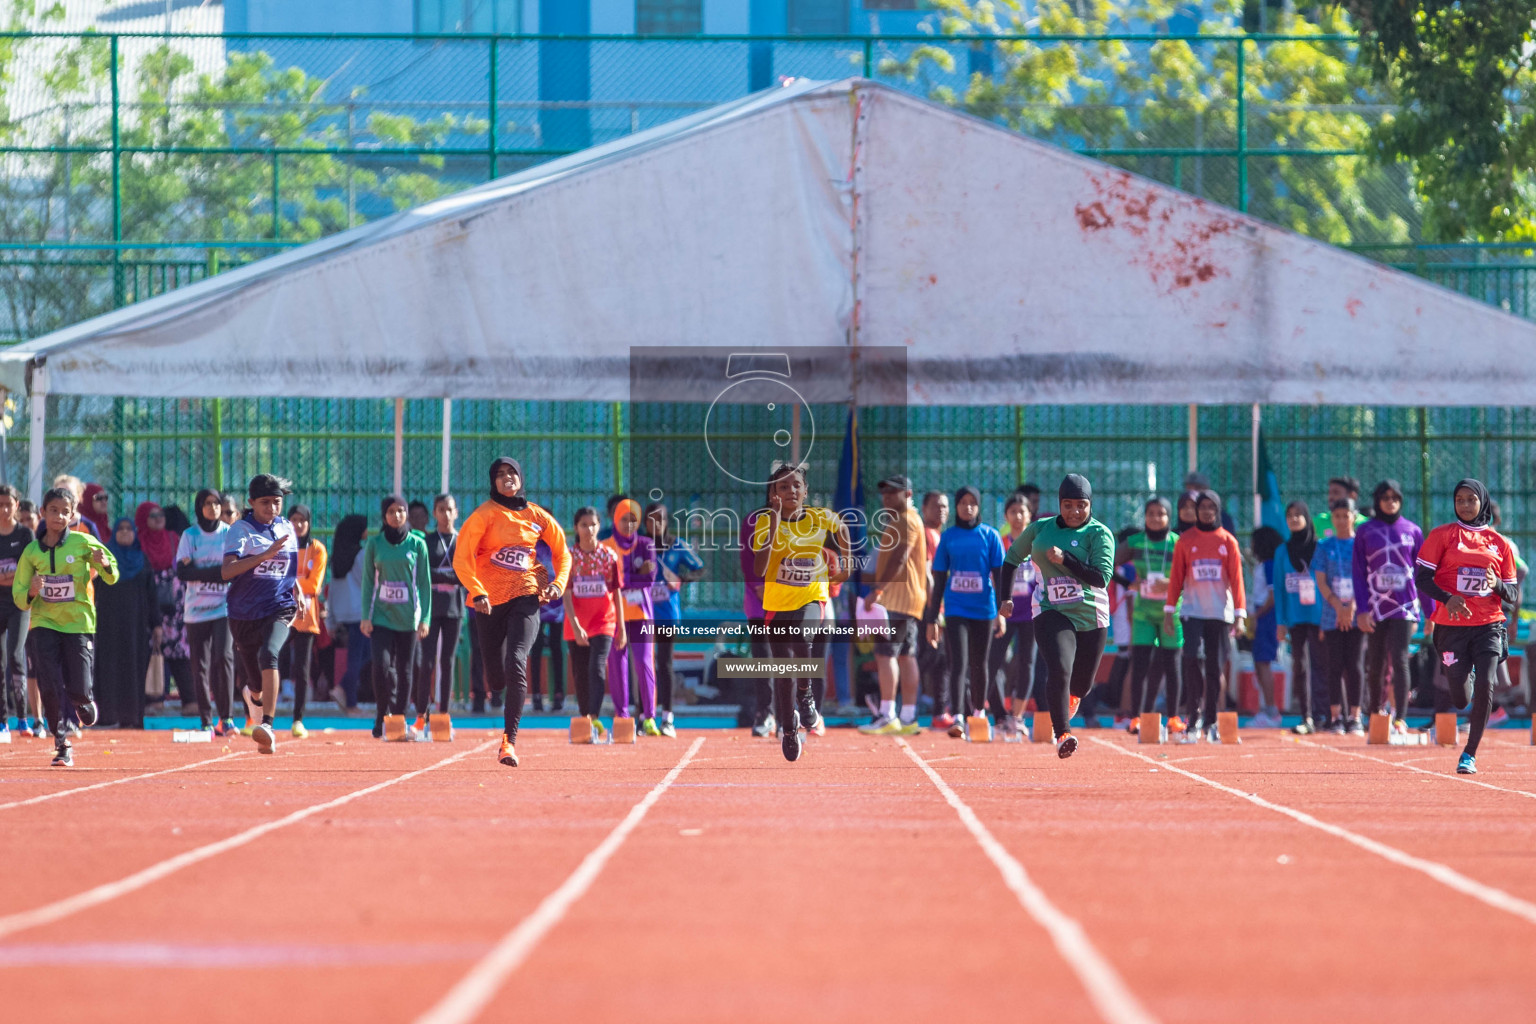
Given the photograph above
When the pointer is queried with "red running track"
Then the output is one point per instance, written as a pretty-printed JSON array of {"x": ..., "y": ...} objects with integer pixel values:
[{"x": 846, "y": 887}]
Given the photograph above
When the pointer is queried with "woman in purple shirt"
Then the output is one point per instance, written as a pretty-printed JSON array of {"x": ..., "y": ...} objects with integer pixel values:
[{"x": 1386, "y": 600}]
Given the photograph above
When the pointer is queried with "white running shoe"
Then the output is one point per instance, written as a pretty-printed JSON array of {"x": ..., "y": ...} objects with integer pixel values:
[
  {"x": 885, "y": 725},
  {"x": 266, "y": 739}
]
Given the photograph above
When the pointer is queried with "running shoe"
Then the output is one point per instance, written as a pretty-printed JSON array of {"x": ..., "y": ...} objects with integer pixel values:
[
  {"x": 1072, "y": 703},
  {"x": 957, "y": 729},
  {"x": 1466, "y": 766},
  {"x": 64, "y": 756},
  {"x": 1213, "y": 734},
  {"x": 810, "y": 718},
  {"x": 1133, "y": 726},
  {"x": 944, "y": 721},
  {"x": 266, "y": 739},
  {"x": 507, "y": 755},
  {"x": 668, "y": 729},
  {"x": 298, "y": 730},
  {"x": 477, "y": 704},
  {"x": 339, "y": 696},
  {"x": 252, "y": 702},
  {"x": 1191, "y": 735},
  {"x": 5, "y": 732},
  {"x": 910, "y": 728},
  {"x": 1177, "y": 725},
  {"x": 765, "y": 725},
  {"x": 1336, "y": 727},
  {"x": 1354, "y": 727},
  {"x": 87, "y": 713},
  {"x": 885, "y": 725},
  {"x": 421, "y": 725},
  {"x": 378, "y": 730},
  {"x": 1007, "y": 727},
  {"x": 648, "y": 727},
  {"x": 599, "y": 731},
  {"x": 790, "y": 739},
  {"x": 1399, "y": 727},
  {"x": 1264, "y": 719},
  {"x": 39, "y": 729},
  {"x": 1123, "y": 722},
  {"x": 1305, "y": 727},
  {"x": 1066, "y": 746},
  {"x": 1498, "y": 717}
]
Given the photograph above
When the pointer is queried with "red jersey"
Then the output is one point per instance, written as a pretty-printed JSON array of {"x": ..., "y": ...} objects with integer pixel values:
[
  {"x": 1460, "y": 556},
  {"x": 594, "y": 579}
]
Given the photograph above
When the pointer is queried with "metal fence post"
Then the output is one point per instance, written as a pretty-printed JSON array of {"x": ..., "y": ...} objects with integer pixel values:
[
  {"x": 869, "y": 57},
  {"x": 492, "y": 141},
  {"x": 117, "y": 180},
  {"x": 277, "y": 198},
  {"x": 1242, "y": 127},
  {"x": 1018, "y": 444},
  {"x": 616, "y": 412},
  {"x": 216, "y": 435},
  {"x": 1424, "y": 481}
]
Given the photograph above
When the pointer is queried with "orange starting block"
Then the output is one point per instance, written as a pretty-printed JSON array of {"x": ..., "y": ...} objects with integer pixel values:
[
  {"x": 1380, "y": 733},
  {"x": 394, "y": 729},
  {"x": 440, "y": 726},
  {"x": 978, "y": 729},
  {"x": 1226, "y": 727},
  {"x": 581, "y": 729},
  {"x": 1151, "y": 729},
  {"x": 623, "y": 730},
  {"x": 1445, "y": 728},
  {"x": 1041, "y": 731}
]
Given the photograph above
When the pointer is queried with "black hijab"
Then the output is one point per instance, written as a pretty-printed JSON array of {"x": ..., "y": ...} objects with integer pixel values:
[
  {"x": 518, "y": 502},
  {"x": 1214, "y": 499},
  {"x": 391, "y": 534},
  {"x": 1158, "y": 535},
  {"x": 1386, "y": 486},
  {"x": 974, "y": 493},
  {"x": 1191, "y": 498},
  {"x": 206, "y": 525},
  {"x": 1302, "y": 543},
  {"x": 309, "y": 517},
  {"x": 349, "y": 542},
  {"x": 1484, "y": 505}
]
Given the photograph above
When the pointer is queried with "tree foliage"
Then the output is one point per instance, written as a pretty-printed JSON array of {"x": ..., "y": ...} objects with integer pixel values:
[
  {"x": 1464, "y": 71},
  {"x": 1178, "y": 94}
]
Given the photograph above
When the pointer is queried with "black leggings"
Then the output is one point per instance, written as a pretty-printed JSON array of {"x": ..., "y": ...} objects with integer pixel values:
[
  {"x": 506, "y": 640},
  {"x": 13, "y": 663},
  {"x": 1486, "y": 666},
  {"x": 394, "y": 656},
  {"x": 548, "y": 639},
  {"x": 1307, "y": 659},
  {"x": 65, "y": 665},
  {"x": 301, "y": 663},
  {"x": 968, "y": 640},
  {"x": 791, "y": 634},
  {"x": 1020, "y": 672},
  {"x": 1344, "y": 647},
  {"x": 589, "y": 672},
  {"x": 1071, "y": 661},
  {"x": 436, "y": 661},
  {"x": 1388, "y": 641},
  {"x": 213, "y": 665},
  {"x": 1206, "y": 641},
  {"x": 662, "y": 652},
  {"x": 1151, "y": 666}
]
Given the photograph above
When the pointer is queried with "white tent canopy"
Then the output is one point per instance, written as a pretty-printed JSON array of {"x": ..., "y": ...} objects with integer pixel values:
[{"x": 818, "y": 214}]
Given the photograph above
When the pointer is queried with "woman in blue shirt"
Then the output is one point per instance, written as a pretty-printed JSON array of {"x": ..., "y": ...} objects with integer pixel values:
[
  {"x": 1333, "y": 567},
  {"x": 677, "y": 563},
  {"x": 1298, "y": 608},
  {"x": 969, "y": 555}
]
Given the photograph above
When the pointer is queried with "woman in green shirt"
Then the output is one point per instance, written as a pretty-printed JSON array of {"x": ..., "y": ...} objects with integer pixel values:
[
  {"x": 1075, "y": 555},
  {"x": 53, "y": 582},
  {"x": 397, "y": 612}
]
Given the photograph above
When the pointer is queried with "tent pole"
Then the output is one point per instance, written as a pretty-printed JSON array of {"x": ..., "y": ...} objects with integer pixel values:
[
  {"x": 447, "y": 440},
  {"x": 37, "y": 442},
  {"x": 1194, "y": 438},
  {"x": 399, "y": 445},
  {"x": 1258, "y": 500}
]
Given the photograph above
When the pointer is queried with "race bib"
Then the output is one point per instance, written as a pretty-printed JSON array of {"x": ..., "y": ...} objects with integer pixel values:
[
  {"x": 1023, "y": 581},
  {"x": 57, "y": 589},
  {"x": 272, "y": 568},
  {"x": 7, "y": 567},
  {"x": 797, "y": 572},
  {"x": 1063, "y": 590},
  {"x": 1206, "y": 570},
  {"x": 514, "y": 559},
  {"x": 394, "y": 593},
  {"x": 589, "y": 586},
  {"x": 1303, "y": 586},
  {"x": 1472, "y": 581},
  {"x": 660, "y": 592},
  {"x": 1343, "y": 587},
  {"x": 445, "y": 588},
  {"x": 1390, "y": 578},
  {"x": 965, "y": 582},
  {"x": 212, "y": 589},
  {"x": 1155, "y": 586},
  {"x": 634, "y": 596}
]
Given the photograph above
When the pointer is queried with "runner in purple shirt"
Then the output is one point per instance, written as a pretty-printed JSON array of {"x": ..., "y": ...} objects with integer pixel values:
[{"x": 1387, "y": 602}]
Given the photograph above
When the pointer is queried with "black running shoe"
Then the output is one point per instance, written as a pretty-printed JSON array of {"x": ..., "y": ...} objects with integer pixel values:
[
  {"x": 791, "y": 741},
  {"x": 477, "y": 706},
  {"x": 63, "y": 756},
  {"x": 1066, "y": 746},
  {"x": 87, "y": 712},
  {"x": 810, "y": 717}
]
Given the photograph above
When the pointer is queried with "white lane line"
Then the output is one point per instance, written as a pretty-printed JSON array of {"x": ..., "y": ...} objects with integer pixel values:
[
  {"x": 10, "y": 924},
  {"x": 1447, "y": 876},
  {"x": 1106, "y": 989},
  {"x": 1469, "y": 780},
  {"x": 116, "y": 782},
  {"x": 476, "y": 989}
]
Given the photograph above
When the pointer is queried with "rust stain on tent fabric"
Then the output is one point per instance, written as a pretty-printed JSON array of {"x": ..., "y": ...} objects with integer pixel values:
[{"x": 1176, "y": 255}]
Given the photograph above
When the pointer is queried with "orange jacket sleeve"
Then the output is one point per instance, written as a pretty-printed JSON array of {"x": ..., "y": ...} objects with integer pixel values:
[
  {"x": 1176, "y": 573},
  {"x": 464, "y": 555},
  {"x": 559, "y": 554}
]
